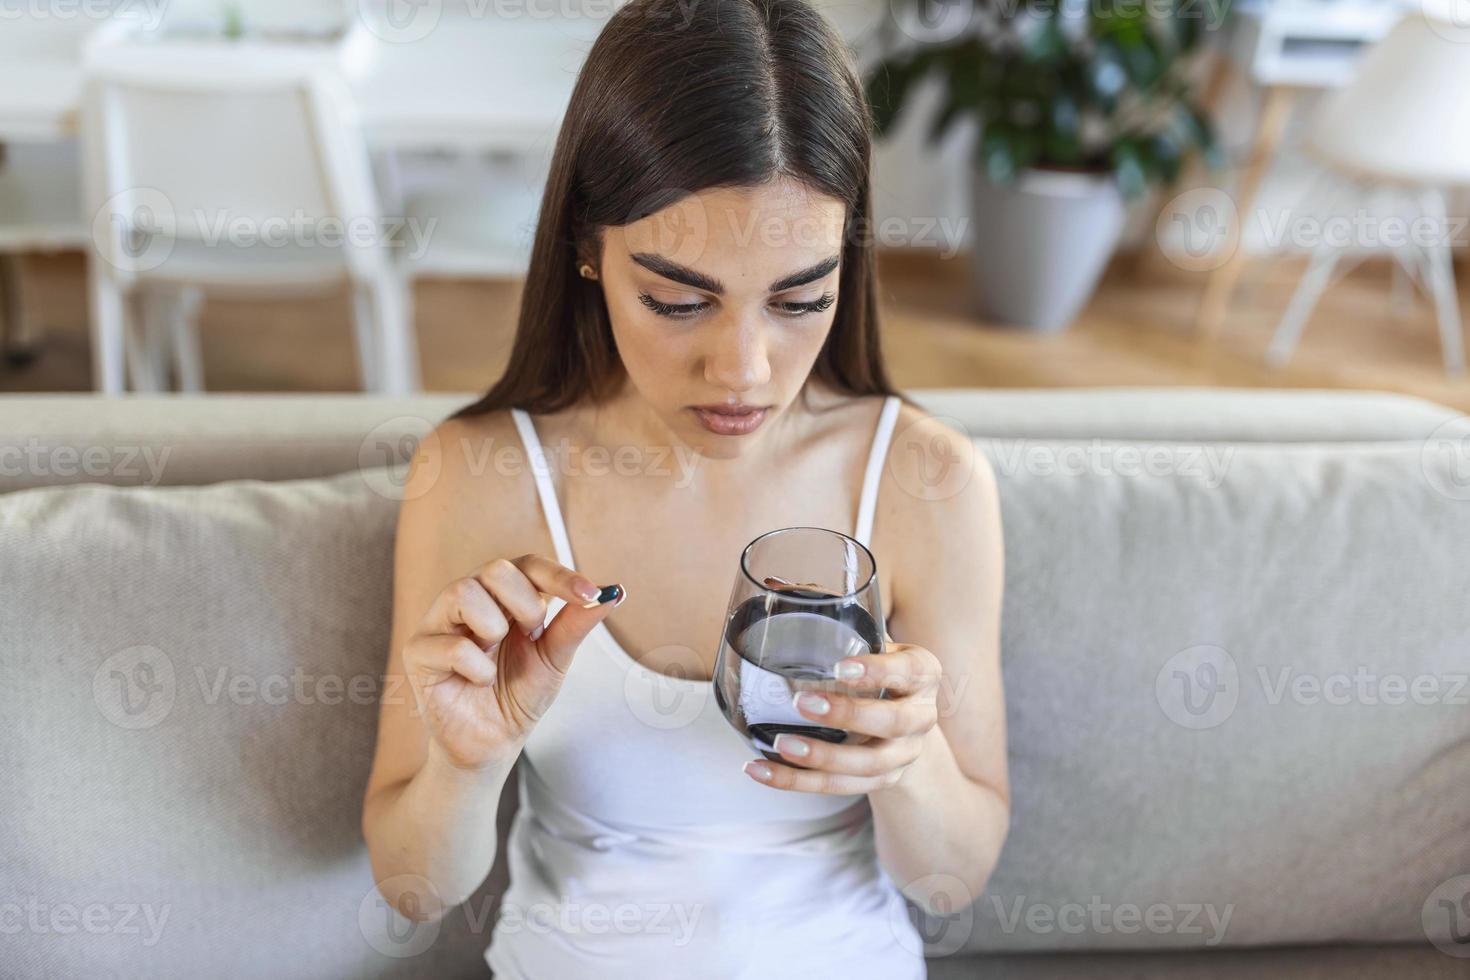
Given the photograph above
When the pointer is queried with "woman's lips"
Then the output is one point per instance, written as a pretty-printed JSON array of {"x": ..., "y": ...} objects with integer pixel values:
[{"x": 727, "y": 421}]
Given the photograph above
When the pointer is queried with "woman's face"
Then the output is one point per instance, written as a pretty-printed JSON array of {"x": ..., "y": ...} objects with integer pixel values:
[{"x": 724, "y": 296}]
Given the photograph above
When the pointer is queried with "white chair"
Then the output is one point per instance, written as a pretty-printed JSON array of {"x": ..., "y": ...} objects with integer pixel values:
[
  {"x": 40, "y": 179},
  {"x": 215, "y": 171},
  {"x": 40, "y": 211},
  {"x": 1401, "y": 130}
]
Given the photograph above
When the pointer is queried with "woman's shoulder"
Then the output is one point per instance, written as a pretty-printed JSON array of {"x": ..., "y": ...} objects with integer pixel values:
[
  {"x": 472, "y": 473},
  {"x": 939, "y": 477}
]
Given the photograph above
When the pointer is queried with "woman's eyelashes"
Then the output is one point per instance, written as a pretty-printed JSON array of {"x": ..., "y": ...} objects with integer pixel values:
[
  {"x": 682, "y": 311},
  {"x": 678, "y": 311}
]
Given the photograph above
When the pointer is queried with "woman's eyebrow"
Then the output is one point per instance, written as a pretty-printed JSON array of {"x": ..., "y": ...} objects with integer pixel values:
[{"x": 669, "y": 269}]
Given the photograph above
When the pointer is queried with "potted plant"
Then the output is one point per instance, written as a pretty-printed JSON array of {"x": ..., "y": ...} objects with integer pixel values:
[{"x": 1080, "y": 107}]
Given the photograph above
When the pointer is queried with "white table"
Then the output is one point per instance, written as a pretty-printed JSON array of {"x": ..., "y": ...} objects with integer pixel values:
[
  {"x": 472, "y": 85},
  {"x": 1284, "y": 47}
]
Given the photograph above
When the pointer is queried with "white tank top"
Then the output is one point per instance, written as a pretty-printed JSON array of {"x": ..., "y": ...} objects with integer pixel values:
[{"x": 641, "y": 850}]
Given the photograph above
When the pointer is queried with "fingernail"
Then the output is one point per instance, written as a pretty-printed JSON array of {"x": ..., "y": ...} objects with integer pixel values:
[
  {"x": 608, "y": 593},
  {"x": 814, "y": 703},
  {"x": 759, "y": 770},
  {"x": 791, "y": 745},
  {"x": 586, "y": 590},
  {"x": 536, "y": 633},
  {"x": 850, "y": 670}
]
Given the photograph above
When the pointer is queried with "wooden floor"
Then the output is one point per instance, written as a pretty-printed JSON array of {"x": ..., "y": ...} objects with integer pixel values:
[{"x": 1136, "y": 331}]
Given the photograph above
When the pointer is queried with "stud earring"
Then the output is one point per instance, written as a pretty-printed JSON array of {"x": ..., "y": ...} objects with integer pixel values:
[{"x": 586, "y": 271}]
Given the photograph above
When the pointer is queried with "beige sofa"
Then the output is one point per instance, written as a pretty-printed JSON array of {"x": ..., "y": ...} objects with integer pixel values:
[{"x": 1236, "y": 634}]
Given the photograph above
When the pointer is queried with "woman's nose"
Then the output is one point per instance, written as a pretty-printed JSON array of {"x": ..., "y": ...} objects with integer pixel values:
[{"x": 738, "y": 361}]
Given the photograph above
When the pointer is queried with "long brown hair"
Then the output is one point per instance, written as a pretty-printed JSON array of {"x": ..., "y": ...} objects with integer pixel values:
[{"x": 678, "y": 96}]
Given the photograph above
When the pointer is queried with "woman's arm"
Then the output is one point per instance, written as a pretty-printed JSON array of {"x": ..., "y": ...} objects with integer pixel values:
[
  {"x": 430, "y": 826},
  {"x": 472, "y": 667},
  {"x": 949, "y": 813},
  {"x": 935, "y": 771}
]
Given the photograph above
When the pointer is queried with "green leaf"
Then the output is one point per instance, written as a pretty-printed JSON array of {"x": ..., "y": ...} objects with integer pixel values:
[
  {"x": 1165, "y": 158},
  {"x": 998, "y": 155},
  {"x": 1128, "y": 167}
]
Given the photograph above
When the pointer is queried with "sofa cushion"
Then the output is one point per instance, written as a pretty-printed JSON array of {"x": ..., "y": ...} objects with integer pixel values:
[
  {"x": 1235, "y": 693},
  {"x": 191, "y": 681}
]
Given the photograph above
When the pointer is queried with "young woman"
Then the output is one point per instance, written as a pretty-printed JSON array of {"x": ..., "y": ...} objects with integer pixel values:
[{"x": 698, "y": 350}]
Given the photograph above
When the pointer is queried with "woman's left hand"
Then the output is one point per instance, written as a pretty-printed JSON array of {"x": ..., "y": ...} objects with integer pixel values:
[{"x": 897, "y": 723}]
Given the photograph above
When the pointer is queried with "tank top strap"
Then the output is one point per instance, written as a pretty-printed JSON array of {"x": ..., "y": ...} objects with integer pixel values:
[
  {"x": 541, "y": 470},
  {"x": 868, "y": 502}
]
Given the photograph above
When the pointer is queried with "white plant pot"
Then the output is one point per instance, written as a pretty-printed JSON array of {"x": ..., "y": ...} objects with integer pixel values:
[{"x": 1041, "y": 244}]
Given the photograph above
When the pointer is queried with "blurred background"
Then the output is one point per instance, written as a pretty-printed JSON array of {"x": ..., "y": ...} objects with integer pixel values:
[{"x": 340, "y": 195}]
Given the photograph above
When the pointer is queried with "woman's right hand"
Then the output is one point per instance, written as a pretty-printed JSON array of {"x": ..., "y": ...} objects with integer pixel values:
[{"x": 482, "y": 668}]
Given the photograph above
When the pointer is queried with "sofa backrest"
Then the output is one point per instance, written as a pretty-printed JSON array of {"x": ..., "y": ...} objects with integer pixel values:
[{"x": 147, "y": 440}]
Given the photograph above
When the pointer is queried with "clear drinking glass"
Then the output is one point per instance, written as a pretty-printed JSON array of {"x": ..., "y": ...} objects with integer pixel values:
[{"x": 804, "y": 598}]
